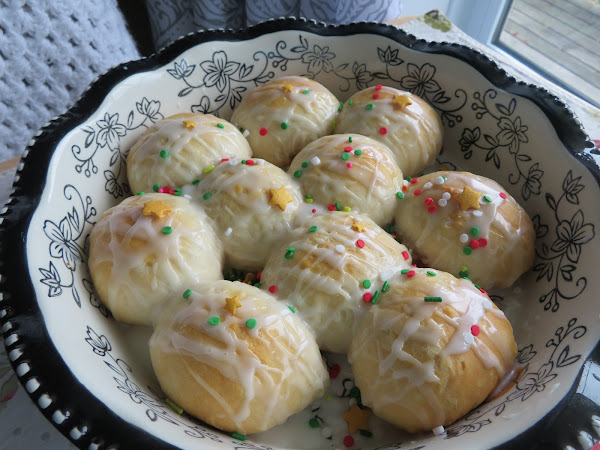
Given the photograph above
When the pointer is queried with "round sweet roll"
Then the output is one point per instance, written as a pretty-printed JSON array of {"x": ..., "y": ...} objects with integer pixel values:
[
  {"x": 350, "y": 170},
  {"x": 467, "y": 225},
  {"x": 253, "y": 204},
  {"x": 332, "y": 269},
  {"x": 432, "y": 350},
  {"x": 234, "y": 357},
  {"x": 403, "y": 121},
  {"x": 177, "y": 150},
  {"x": 282, "y": 116},
  {"x": 146, "y": 246}
]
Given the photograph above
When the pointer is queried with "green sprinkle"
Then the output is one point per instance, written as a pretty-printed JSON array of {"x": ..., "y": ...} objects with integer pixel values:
[
  {"x": 140, "y": 193},
  {"x": 284, "y": 125},
  {"x": 355, "y": 392},
  {"x": 345, "y": 156},
  {"x": 341, "y": 106},
  {"x": 214, "y": 320},
  {"x": 251, "y": 323},
  {"x": 463, "y": 273},
  {"x": 238, "y": 436},
  {"x": 404, "y": 271},
  {"x": 291, "y": 309},
  {"x": 313, "y": 423},
  {"x": 206, "y": 195},
  {"x": 367, "y": 284},
  {"x": 370, "y": 106},
  {"x": 350, "y": 139},
  {"x": 444, "y": 177},
  {"x": 305, "y": 164},
  {"x": 156, "y": 187},
  {"x": 196, "y": 181},
  {"x": 400, "y": 195},
  {"x": 308, "y": 196},
  {"x": 309, "y": 200},
  {"x": 167, "y": 230},
  {"x": 297, "y": 174},
  {"x": 241, "y": 129},
  {"x": 178, "y": 194},
  {"x": 374, "y": 299},
  {"x": 290, "y": 249},
  {"x": 474, "y": 231},
  {"x": 174, "y": 406},
  {"x": 187, "y": 293},
  {"x": 408, "y": 179},
  {"x": 358, "y": 152},
  {"x": 257, "y": 285},
  {"x": 365, "y": 433},
  {"x": 337, "y": 206},
  {"x": 433, "y": 299},
  {"x": 209, "y": 169},
  {"x": 431, "y": 273},
  {"x": 385, "y": 286},
  {"x": 350, "y": 102},
  {"x": 163, "y": 154},
  {"x": 467, "y": 250},
  {"x": 289, "y": 255},
  {"x": 306, "y": 91},
  {"x": 220, "y": 125},
  {"x": 243, "y": 161},
  {"x": 487, "y": 198},
  {"x": 347, "y": 209},
  {"x": 313, "y": 228}
]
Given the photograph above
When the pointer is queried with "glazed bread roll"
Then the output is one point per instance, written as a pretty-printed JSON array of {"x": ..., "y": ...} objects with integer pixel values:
[
  {"x": 234, "y": 357},
  {"x": 175, "y": 151},
  {"x": 351, "y": 170},
  {"x": 147, "y": 246},
  {"x": 330, "y": 268},
  {"x": 403, "y": 121},
  {"x": 467, "y": 225},
  {"x": 253, "y": 206},
  {"x": 434, "y": 348},
  {"x": 284, "y": 115}
]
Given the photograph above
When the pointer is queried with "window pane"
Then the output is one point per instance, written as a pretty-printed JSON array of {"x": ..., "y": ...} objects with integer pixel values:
[{"x": 559, "y": 38}]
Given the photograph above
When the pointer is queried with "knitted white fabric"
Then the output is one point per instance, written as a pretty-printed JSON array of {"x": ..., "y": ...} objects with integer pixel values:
[{"x": 50, "y": 50}]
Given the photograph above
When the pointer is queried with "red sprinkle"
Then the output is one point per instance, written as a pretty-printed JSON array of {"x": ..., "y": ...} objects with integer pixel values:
[
  {"x": 378, "y": 87},
  {"x": 475, "y": 330},
  {"x": 263, "y": 131},
  {"x": 405, "y": 254},
  {"x": 348, "y": 149},
  {"x": 383, "y": 130},
  {"x": 348, "y": 441},
  {"x": 334, "y": 371},
  {"x": 432, "y": 209},
  {"x": 314, "y": 210},
  {"x": 331, "y": 207},
  {"x": 258, "y": 274},
  {"x": 224, "y": 159},
  {"x": 418, "y": 192},
  {"x": 411, "y": 273},
  {"x": 413, "y": 265},
  {"x": 474, "y": 244},
  {"x": 428, "y": 201},
  {"x": 367, "y": 297},
  {"x": 414, "y": 180},
  {"x": 503, "y": 195},
  {"x": 272, "y": 289},
  {"x": 483, "y": 242},
  {"x": 249, "y": 162},
  {"x": 349, "y": 165},
  {"x": 375, "y": 95},
  {"x": 482, "y": 291},
  {"x": 360, "y": 243}
]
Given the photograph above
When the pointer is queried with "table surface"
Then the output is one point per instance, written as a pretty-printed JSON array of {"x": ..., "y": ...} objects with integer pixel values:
[{"x": 22, "y": 426}]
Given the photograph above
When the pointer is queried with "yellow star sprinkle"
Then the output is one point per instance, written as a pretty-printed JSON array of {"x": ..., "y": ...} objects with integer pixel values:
[
  {"x": 357, "y": 419},
  {"x": 468, "y": 198},
  {"x": 400, "y": 101},
  {"x": 287, "y": 88},
  {"x": 280, "y": 197},
  {"x": 358, "y": 226},
  {"x": 157, "y": 208},
  {"x": 232, "y": 304},
  {"x": 189, "y": 124}
]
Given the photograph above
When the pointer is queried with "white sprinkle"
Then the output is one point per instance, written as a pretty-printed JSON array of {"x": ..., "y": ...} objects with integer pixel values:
[
  {"x": 439, "y": 180},
  {"x": 189, "y": 197},
  {"x": 246, "y": 133},
  {"x": 464, "y": 238},
  {"x": 438, "y": 431},
  {"x": 469, "y": 339},
  {"x": 487, "y": 305},
  {"x": 340, "y": 248},
  {"x": 442, "y": 202},
  {"x": 446, "y": 195},
  {"x": 405, "y": 182},
  {"x": 259, "y": 161},
  {"x": 233, "y": 162},
  {"x": 228, "y": 231},
  {"x": 477, "y": 213},
  {"x": 428, "y": 185},
  {"x": 316, "y": 161},
  {"x": 326, "y": 432},
  {"x": 387, "y": 274}
]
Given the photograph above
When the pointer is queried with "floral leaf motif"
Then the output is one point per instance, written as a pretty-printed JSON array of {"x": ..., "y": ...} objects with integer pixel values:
[
  {"x": 544, "y": 269},
  {"x": 564, "y": 359},
  {"x": 52, "y": 280},
  {"x": 536, "y": 382},
  {"x": 203, "y": 107},
  {"x": 318, "y": 60},
  {"x": 541, "y": 230},
  {"x": 219, "y": 71},
  {"x": 440, "y": 97},
  {"x": 500, "y": 409},
  {"x": 76, "y": 296},
  {"x": 551, "y": 201},
  {"x": 532, "y": 184},
  {"x": 62, "y": 245},
  {"x": 245, "y": 71},
  {"x": 302, "y": 47},
  {"x": 91, "y": 133},
  {"x": 571, "y": 235},
  {"x": 420, "y": 79},
  {"x": 571, "y": 188},
  {"x": 362, "y": 75},
  {"x": 150, "y": 109},
  {"x": 566, "y": 272},
  {"x": 99, "y": 344},
  {"x": 491, "y": 140},
  {"x": 110, "y": 131},
  {"x": 112, "y": 185},
  {"x": 526, "y": 354},
  {"x": 185, "y": 91},
  {"x": 389, "y": 56},
  {"x": 469, "y": 137}
]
